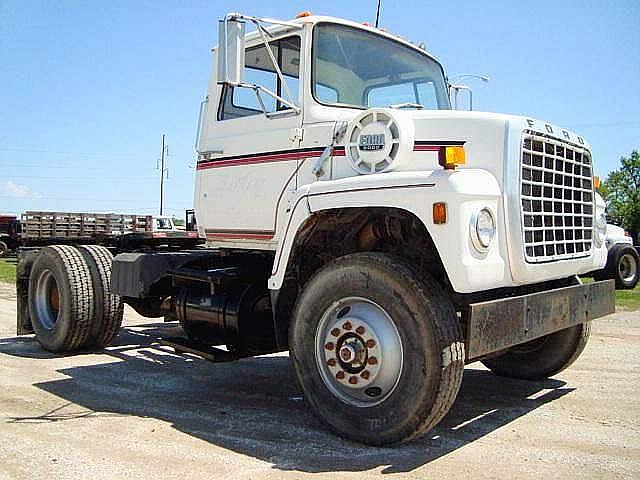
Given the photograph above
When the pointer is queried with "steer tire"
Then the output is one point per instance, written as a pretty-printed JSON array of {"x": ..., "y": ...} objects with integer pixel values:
[
  {"x": 424, "y": 320},
  {"x": 4, "y": 249},
  {"x": 108, "y": 308},
  {"x": 543, "y": 357},
  {"x": 61, "y": 298},
  {"x": 625, "y": 267}
]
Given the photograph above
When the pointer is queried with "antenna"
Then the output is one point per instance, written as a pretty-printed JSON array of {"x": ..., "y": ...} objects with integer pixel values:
[{"x": 378, "y": 13}]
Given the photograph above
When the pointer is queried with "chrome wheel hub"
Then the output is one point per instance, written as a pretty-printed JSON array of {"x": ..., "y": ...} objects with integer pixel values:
[
  {"x": 628, "y": 268},
  {"x": 47, "y": 299},
  {"x": 358, "y": 351}
]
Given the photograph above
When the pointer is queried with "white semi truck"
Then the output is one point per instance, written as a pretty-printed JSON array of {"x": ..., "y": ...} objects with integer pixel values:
[{"x": 356, "y": 220}]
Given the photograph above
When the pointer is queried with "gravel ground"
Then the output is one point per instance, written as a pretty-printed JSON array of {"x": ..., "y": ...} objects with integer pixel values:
[{"x": 136, "y": 410}]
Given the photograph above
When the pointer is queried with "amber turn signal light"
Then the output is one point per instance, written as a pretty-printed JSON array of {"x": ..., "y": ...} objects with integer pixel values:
[
  {"x": 596, "y": 182},
  {"x": 451, "y": 156},
  {"x": 439, "y": 213}
]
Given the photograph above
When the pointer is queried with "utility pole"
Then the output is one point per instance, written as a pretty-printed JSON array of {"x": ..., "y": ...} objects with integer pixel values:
[{"x": 163, "y": 152}]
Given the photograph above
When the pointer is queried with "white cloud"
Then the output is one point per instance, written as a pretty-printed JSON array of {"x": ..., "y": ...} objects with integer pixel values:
[{"x": 19, "y": 191}]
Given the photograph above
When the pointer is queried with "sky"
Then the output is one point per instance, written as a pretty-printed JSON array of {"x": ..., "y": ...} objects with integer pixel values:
[{"x": 87, "y": 88}]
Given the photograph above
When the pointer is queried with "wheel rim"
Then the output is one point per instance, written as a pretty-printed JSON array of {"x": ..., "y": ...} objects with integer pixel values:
[
  {"x": 628, "y": 268},
  {"x": 47, "y": 299},
  {"x": 358, "y": 352}
]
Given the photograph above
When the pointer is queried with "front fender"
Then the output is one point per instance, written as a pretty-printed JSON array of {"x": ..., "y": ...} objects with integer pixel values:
[{"x": 464, "y": 192}]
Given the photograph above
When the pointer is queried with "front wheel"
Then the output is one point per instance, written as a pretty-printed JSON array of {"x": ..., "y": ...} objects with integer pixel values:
[
  {"x": 627, "y": 268},
  {"x": 542, "y": 357},
  {"x": 623, "y": 266},
  {"x": 376, "y": 348}
]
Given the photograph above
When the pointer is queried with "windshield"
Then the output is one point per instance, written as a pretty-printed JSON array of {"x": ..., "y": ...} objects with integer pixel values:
[
  {"x": 358, "y": 68},
  {"x": 163, "y": 224}
]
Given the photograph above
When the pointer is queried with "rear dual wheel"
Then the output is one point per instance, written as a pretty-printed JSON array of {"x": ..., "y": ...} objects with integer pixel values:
[
  {"x": 61, "y": 299},
  {"x": 70, "y": 301},
  {"x": 376, "y": 348}
]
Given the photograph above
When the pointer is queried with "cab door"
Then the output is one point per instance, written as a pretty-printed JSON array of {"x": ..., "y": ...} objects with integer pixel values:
[{"x": 255, "y": 155}]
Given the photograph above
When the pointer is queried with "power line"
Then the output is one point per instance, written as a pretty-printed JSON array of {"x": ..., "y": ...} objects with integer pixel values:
[
  {"x": 53, "y": 165},
  {"x": 604, "y": 125},
  {"x": 58, "y": 152},
  {"x": 120, "y": 179}
]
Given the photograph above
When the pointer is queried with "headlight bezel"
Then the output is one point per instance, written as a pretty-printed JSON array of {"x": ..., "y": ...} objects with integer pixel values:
[{"x": 481, "y": 241}]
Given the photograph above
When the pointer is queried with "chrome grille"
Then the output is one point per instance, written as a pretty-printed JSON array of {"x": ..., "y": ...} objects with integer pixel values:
[{"x": 556, "y": 188}]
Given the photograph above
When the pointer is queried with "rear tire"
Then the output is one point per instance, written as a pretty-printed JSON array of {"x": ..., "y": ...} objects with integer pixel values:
[
  {"x": 370, "y": 305},
  {"x": 4, "y": 249},
  {"x": 108, "y": 308},
  {"x": 542, "y": 357},
  {"x": 61, "y": 298}
]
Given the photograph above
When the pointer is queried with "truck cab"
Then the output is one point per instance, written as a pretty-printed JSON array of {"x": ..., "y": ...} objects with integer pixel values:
[{"x": 387, "y": 138}]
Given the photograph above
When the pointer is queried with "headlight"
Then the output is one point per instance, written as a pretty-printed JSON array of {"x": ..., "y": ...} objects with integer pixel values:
[
  {"x": 483, "y": 229},
  {"x": 601, "y": 229}
]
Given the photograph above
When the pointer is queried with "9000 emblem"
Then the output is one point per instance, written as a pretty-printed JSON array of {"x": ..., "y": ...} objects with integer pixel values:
[{"x": 371, "y": 142}]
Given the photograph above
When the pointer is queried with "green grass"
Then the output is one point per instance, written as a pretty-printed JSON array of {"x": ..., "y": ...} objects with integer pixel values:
[
  {"x": 625, "y": 299},
  {"x": 628, "y": 299},
  {"x": 8, "y": 270}
]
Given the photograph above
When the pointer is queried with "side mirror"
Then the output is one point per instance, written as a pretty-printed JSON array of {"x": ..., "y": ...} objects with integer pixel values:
[
  {"x": 231, "y": 51},
  {"x": 455, "y": 89}
]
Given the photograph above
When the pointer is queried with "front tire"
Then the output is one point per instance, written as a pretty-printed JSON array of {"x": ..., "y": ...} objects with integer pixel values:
[
  {"x": 543, "y": 357},
  {"x": 627, "y": 269},
  {"x": 623, "y": 266},
  {"x": 376, "y": 348}
]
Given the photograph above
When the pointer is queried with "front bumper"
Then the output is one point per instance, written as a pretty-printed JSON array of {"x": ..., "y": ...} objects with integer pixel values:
[{"x": 499, "y": 324}]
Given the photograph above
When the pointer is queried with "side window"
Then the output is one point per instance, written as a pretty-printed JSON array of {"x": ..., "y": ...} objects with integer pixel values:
[{"x": 259, "y": 70}]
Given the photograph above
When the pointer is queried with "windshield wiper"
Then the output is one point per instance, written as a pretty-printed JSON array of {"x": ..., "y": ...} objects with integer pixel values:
[{"x": 407, "y": 105}]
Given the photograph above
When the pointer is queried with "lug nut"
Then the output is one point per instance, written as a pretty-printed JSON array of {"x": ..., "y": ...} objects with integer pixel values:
[
  {"x": 370, "y": 343},
  {"x": 340, "y": 375},
  {"x": 329, "y": 346},
  {"x": 365, "y": 374},
  {"x": 335, "y": 332},
  {"x": 360, "y": 330},
  {"x": 331, "y": 362},
  {"x": 353, "y": 380},
  {"x": 347, "y": 326},
  {"x": 372, "y": 361}
]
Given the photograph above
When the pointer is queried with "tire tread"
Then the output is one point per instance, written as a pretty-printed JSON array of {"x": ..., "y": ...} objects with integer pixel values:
[{"x": 105, "y": 328}]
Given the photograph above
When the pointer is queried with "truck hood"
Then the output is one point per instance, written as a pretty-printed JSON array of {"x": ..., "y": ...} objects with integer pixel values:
[{"x": 491, "y": 140}]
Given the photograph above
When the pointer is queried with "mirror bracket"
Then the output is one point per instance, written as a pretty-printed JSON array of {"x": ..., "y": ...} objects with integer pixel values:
[{"x": 231, "y": 70}]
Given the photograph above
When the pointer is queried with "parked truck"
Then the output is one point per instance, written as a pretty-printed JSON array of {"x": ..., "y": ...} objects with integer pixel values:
[
  {"x": 114, "y": 230},
  {"x": 8, "y": 234},
  {"x": 356, "y": 220},
  {"x": 623, "y": 261}
]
